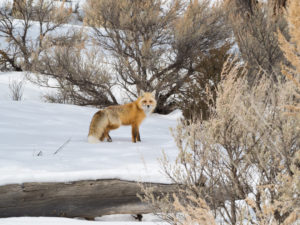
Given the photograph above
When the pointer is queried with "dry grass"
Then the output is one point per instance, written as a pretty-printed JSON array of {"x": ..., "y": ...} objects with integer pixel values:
[
  {"x": 291, "y": 51},
  {"x": 249, "y": 149}
]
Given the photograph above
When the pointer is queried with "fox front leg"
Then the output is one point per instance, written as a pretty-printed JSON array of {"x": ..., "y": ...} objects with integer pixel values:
[
  {"x": 134, "y": 133},
  {"x": 138, "y": 136}
]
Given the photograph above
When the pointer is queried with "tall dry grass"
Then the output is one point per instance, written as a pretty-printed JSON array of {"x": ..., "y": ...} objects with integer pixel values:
[{"x": 242, "y": 165}]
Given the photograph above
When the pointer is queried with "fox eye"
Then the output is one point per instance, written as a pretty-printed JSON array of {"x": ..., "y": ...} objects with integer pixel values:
[
  {"x": 150, "y": 101},
  {"x": 144, "y": 102}
]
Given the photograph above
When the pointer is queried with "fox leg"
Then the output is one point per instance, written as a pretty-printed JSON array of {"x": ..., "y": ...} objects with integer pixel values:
[
  {"x": 106, "y": 135},
  {"x": 138, "y": 135},
  {"x": 102, "y": 137},
  {"x": 108, "y": 138},
  {"x": 97, "y": 127},
  {"x": 134, "y": 132}
]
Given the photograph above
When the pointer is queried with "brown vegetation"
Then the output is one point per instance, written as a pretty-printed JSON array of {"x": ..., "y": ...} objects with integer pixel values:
[
  {"x": 291, "y": 51},
  {"x": 20, "y": 46},
  {"x": 79, "y": 75},
  {"x": 154, "y": 44},
  {"x": 249, "y": 148},
  {"x": 195, "y": 101},
  {"x": 255, "y": 33}
]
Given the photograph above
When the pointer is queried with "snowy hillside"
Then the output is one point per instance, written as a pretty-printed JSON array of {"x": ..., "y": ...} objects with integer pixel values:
[
  {"x": 32, "y": 131},
  {"x": 30, "y": 92}
]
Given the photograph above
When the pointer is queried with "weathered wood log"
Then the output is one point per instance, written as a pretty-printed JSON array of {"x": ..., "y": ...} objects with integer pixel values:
[{"x": 89, "y": 198}]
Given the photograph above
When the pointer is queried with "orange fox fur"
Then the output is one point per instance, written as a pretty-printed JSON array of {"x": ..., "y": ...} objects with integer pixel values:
[{"x": 113, "y": 117}]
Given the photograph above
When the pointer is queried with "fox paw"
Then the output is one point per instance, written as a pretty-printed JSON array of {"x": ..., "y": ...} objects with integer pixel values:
[{"x": 109, "y": 139}]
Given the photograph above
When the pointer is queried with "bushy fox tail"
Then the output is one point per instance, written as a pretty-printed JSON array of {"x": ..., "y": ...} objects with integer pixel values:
[{"x": 97, "y": 127}]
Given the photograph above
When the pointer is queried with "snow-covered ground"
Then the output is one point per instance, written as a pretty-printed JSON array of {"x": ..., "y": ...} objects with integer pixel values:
[
  {"x": 65, "y": 221},
  {"x": 148, "y": 219},
  {"x": 31, "y": 131}
]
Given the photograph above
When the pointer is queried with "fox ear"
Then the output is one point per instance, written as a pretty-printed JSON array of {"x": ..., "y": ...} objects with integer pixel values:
[
  {"x": 153, "y": 93},
  {"x": 142, "y": 93}
]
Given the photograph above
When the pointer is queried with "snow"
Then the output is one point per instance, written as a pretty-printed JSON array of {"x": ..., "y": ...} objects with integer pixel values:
[
  {"x": 125, "y": 217},
  {"x": 30, "y": 92},
  {"x": 65, "y": 221},
  {"x": 32, "y": 131}
]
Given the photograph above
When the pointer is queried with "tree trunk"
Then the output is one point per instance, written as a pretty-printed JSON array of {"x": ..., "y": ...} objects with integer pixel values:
[{"x": 87, "y": 199}]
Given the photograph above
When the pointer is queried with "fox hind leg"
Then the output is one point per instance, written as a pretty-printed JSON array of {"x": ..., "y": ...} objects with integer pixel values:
[
  {"x": 97, "y": 127},
  {"x": 109, "y": 138},
  {"x": 105, "y": 135},
  {"x": 102, "y": 137}
]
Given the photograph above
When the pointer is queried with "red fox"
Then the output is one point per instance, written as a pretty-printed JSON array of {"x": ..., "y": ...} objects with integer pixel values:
[{"x": 113, "y": 117}]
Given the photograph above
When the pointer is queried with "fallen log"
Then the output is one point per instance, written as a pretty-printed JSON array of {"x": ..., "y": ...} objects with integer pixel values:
[{"x": 88, "y": 198}]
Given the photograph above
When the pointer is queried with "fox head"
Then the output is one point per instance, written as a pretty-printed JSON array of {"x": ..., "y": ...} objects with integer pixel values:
[{"x": 147, "y": 101}]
